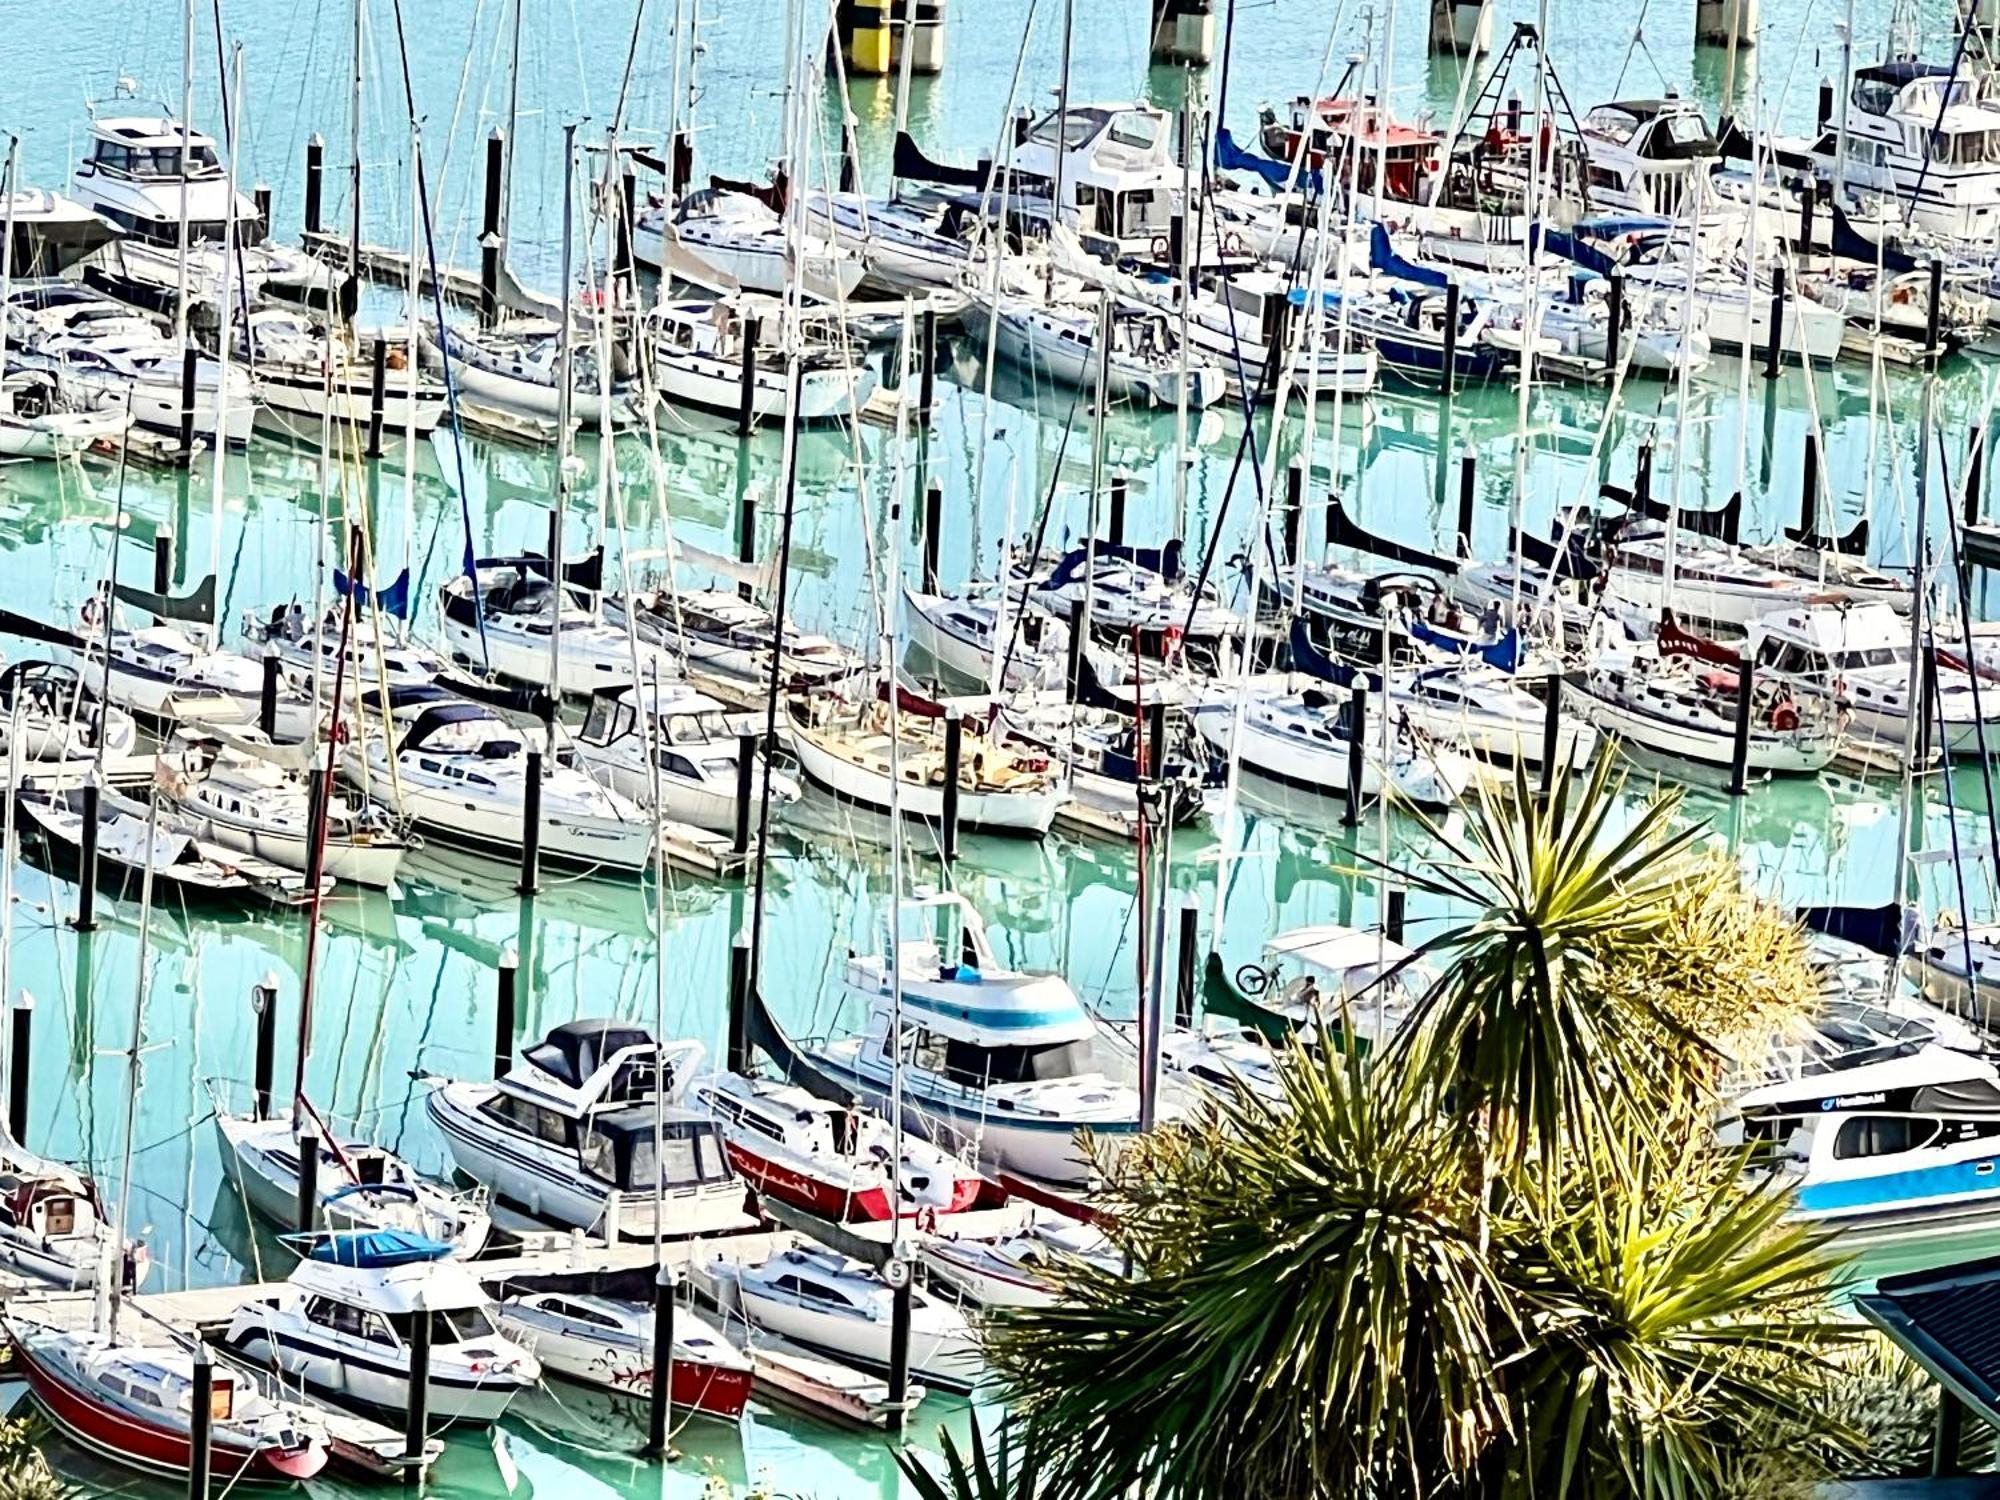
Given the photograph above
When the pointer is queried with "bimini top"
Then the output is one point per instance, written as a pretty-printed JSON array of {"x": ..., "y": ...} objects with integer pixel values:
[
  {"x": 375, "y": 1249},
  {"x": 577, "y": 1049},
  {"x": 1342, "y": 951}
]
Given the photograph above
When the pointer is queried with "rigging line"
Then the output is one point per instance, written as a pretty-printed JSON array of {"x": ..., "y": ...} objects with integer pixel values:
[{"x": 1972, "y": 671}]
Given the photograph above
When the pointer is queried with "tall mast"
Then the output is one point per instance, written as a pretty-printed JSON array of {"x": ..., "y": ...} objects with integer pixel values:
[
  {"x": 7, "y": 259},
  {"x": 186, "y": 166},
  {"x": 226, "y": 306},
  {"x": 1062, "y": 113},
  {"x": 132, "y": 1054},
  {"x": 513, "y": 122},
  {"x": 564, "y": 361},
  {"x": 354, "y": 148},
  {"x": 891, "y": 598}
]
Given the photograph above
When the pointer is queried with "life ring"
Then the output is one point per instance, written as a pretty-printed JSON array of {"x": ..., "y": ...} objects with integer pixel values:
[
  {"x": 1784, "y": 715},
  {"x": 1232, "y": 244},
  {"x": 1159, "y": 248}
]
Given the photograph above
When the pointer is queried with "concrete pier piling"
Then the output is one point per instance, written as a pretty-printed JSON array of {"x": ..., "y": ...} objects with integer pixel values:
[
  {"x": 1460, "y": 28},
  {"x": 871, "y": 36},
  {"x": 1184, "y": 31},
  {"x": 1725, "y": 23}
]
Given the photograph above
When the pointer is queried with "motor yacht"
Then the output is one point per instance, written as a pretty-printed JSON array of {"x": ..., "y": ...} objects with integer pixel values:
[
  {"x": 608, "y": 1343},
  {"x": 672, "y": 743}
]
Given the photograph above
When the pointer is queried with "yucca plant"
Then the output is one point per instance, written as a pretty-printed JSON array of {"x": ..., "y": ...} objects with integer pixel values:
[{"x": 1011, "y": 1473}]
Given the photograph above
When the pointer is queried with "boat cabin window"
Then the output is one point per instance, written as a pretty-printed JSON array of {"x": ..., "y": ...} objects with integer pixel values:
[
  {"x": 609, "y": 719},
  {"x": 458, "y": 1325},
  {"x": 530, "y": 1119},
  {"x": 1874, "y": 95},
  {"x": 346, "y": 1318},
  {"x": 693, "y": 1154},
  {"x": 977, "y": 1066},
  {"x": 151, "y": 161},
  {"x": 1974, "y": 1096},
  {"x": 1135, "y": 129},
  {"x": 695, "y": 729},
  {"x": 1883, "y": 1135},
  {"x": 810, "y": 1291},
  {"x": 577, "y": 1314}
]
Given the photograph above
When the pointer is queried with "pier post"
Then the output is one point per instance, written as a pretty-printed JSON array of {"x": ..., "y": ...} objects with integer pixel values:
[
  {"x": 1119, "y": 496},
  {"x": 1642, "y": 474},
  {"x": 1934, "y": 318},
  {"x": 261, "y": 196},
  {"x": 1774, "y": 349},
  {"x": 1805, "y": 221},
  {"x": 307, "y": 1215},
  {"x": 86, "y": 891},
  {"x": 927, "y": 368},
  {"x": 746, "y": 537},
  {"x": 746, "y": 765},
  {"x": 1824, "y": 114},
  {"x": 621, "y": 261},
  {"x": 1185, "y": 963},
  {"x": 1357, "y": 749},
  {"x": 1294, "y": 522},
  {"x": 954, "y": 753},
  {"x": 1449, "y": 371},
  {"x": 746, "y": 396},
  {"x": 201, "y": 1423},
  {"x": 1739, "y": 754},
  {"x": 663, "y": 1363},
  {"x": 492, "y": 229},
  {"x": 1466, "y": 466},
  {"x": 316, "y": 816},
  {"x": 1073, "y": 667},
  {"x": 418, "y": 1416},
  {"x": 933, "y": 534},
  {"x": 1614, "y": 330},
  {"x": 378, "y": 379},
  {"x": 739, "y": 1004},
  {"x": 315, "y": 179},
  {"x": 1725, "y": 23},
  {"x": 1156, "y": 740},
  {"x": 20, "y": 1054},
  {"x": 1395, "y": 912},
  {"x": 267, "y": 694},
  {"x": 1809, "y": 492},
  {"x": 1927, "y": 677},
  {"x": 531, "y": 828},
  {"x": 1552, "y": 718},
  {"x": 899, "y": 1342},
  {"x": 1975, "y": 475},
  {"x": 163, "y": 559},
  {"x": 264, "y": 1006},
  {"x": 1184, "y": 31},
  {"x": 190, "y": 356},
  {"x": 506, "y": 985}
]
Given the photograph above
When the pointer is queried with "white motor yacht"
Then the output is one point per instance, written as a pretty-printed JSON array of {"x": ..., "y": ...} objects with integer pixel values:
[
  {"x": 608, "y": 1343},
  {"x": 568, "y": 1135},
  {"x": 456, "y": 770},
  {"x": 695, "y": 758},
  {"x": 343, "y": 1326},
  {"x": 840, "y": 1307},
  {"x": 1003, "y": 1063}
]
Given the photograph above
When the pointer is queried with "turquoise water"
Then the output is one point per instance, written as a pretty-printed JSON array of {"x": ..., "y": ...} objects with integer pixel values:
[{"x": 404, "y": 984}]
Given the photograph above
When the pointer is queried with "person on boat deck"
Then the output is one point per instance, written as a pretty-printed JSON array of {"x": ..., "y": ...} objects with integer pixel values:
[
  {"x": 295, "y": 621},
  {"x": 1489, "y": 621}
]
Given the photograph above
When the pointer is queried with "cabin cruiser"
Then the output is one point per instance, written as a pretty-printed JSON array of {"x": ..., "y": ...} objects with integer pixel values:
[
  {"x": 344, "y": 1324},
  {"x": 1302, "y": 740},
  {"x": 133, "y": 1404},
  {"x": 568, "y": 1134},
  {"x": 607, "y": 1343},
  {"x": 839, "y": 1163},
  {"x": 1012, "y": 1270},
  {"x": 700, "y": 360},
  {"x": 993, "y": 1060},
  {"x": 1891, "y": 1150},
  {"x": 965, "y": 633},
  {"x": 1643, "y": 153},
  {"x": 1958, "y": 966},
  {"x": 101, "y": 351},
  {"x": 694, "y": 768},
  {"x": 54, "y": 1228},
  {"x": 236, "y": 793},
  {"x": 59, "y": 715},
  {"x": 39, "y": 418},
  {"x": 515, "y": 368},
  {"x": 1686, "y": 709},
  {"x": 720, "y": 634},
  {"x": 745, "y": 239},
  {"x": 375, "y": 654},
  {"x": 1923, "y": 134},
  {"x": 306, "y": 377},
  {"x": 1057, "y": 338},
  {"x": 1857, "y": 658},
  {"x": 144, "y": 174},
  {"x": 1119, "y": 179},
  {"x": 847, "y": 749},
  {"x": 457, "y": 770},
  {"x": 506, "y": 615},
  {"x": 840, "y": 1307},
  {"x": 362, "y": 1187},
  {"x": 1321, "y": 979}
]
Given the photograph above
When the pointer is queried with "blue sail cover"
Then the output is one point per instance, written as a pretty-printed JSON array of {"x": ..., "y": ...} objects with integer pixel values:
[
  {"x": 1571, "y": 248},
  {"x": 1383, "y": 257},
  {"x": 394, "y": 600},
  {"x": 1231, "y": 157},
  {"x": 1850, "y": 243},
  {"x": 376, "y": 1249},
  {"x": 1166, "y": 561}
]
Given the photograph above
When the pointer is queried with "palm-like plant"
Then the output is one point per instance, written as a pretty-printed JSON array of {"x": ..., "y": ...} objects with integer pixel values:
[
  {"x": 1010, "y": 1474},
  {"x": 1523, "y": 1031}
]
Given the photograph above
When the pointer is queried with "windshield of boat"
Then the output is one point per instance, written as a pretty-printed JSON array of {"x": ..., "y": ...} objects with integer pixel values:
[
  {"x": 691, "y": 1155},
  {"x": 458, "y": 1325},
  {"x": 696, "y": 728},
  {"x": 152, "y": 161},
  {"x": 1078, "y": 126},
  {"x": 980, "y": 1067}
]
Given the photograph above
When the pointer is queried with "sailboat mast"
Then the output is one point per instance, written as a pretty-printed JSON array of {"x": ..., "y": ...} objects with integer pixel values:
[
  {"x": 564, "y": 361},
  {"x": 1916, "y": 694},
  {"x": 7, "y": 242},
  {"x": 1061, "y": 143},
  {"x": 132, "y": 1054},
  {"x": 354, "y": 150},
  {"x": 891, "y": 596},
  {"x": 186, "y": 165},
  {"x": 225, "y": 307}
]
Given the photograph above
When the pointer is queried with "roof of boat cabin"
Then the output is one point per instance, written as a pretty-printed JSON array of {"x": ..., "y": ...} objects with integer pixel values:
[
  {"x": 577, "y": 1049},
  {"x": 1905, "y": 70},
  {"x": 1931, "y": 1065},
  {"x": 432, "y": 1286},
  {"x": 1330, "y": 946},
  {"x": 146, "y": 130},
  {"x": 1832, "y": 627}
]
